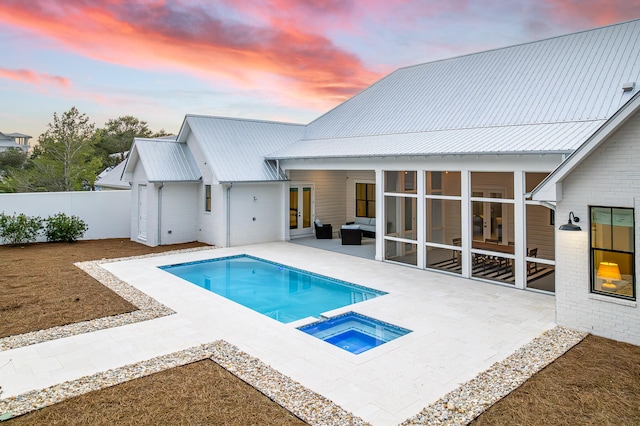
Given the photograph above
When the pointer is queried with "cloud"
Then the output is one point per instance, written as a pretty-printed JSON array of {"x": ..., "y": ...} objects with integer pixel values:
[
  {"x": 210, "y": 42},
  {"x": 35, "y": 78}
]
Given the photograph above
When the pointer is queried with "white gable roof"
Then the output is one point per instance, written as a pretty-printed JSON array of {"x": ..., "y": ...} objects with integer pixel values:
[
  {"x": 562, "y": 88},
  {"x": 164, "y": 160},
  {"x": 235, "y": 148}
]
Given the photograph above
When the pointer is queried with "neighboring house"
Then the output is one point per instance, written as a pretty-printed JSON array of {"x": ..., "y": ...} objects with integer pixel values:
[
  {"x": 111, "y": 178},
  {"x": 442, "y": 156},
  {"x": 14, "y": 140}
]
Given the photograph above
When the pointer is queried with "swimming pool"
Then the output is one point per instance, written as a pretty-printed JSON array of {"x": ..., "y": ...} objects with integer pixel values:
[{"x": 281, "y": 292}]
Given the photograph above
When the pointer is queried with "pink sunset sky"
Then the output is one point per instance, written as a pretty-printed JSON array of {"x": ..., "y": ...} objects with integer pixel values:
[{"x": 281, "y": 60}]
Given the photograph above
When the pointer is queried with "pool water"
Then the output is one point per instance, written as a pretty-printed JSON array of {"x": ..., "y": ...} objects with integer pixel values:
[
  {"x": 354, "y": 332},
  {"x": 278, "y": 291}
]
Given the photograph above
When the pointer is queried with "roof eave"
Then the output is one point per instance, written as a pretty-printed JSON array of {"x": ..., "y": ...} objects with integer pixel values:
[{"x": 550, "y": 187}]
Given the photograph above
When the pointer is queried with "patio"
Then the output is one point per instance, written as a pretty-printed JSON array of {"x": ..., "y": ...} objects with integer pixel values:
[{"x": 460, "y": 328}]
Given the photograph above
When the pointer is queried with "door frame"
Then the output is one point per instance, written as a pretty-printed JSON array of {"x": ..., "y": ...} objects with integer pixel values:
[
  {"x": 143, "y": 207},
  {"x": 301, "y": 230}
]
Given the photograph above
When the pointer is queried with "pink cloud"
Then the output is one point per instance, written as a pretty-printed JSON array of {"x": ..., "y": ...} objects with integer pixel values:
[
  {"x": 596, "y": 12},
  {"x": 194, "y": 38},
  {"x": 36, "y": 78}
]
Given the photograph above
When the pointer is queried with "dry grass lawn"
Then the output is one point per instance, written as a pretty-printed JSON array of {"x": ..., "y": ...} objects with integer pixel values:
[{"x": 597, "y": 382}]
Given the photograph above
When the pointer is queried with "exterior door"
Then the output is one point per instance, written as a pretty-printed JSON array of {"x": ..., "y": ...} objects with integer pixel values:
[
  {"x": 300, "y": 209},
  {"x": 487, "y": 216},
  {"x": 142, "y": 212}
]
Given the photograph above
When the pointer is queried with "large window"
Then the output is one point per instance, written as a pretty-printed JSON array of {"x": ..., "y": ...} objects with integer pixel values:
[
  {"x": 612, "y": 252},
  {"x": 207, "y": 198},
  {"x": 365, "y": 200}
]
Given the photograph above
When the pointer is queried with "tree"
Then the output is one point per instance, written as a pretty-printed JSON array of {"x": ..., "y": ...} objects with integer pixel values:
[
  {"x": 65, "y": 159},
  {"x": 118, "y": 134},
  {"x": 12, "y": 162}
]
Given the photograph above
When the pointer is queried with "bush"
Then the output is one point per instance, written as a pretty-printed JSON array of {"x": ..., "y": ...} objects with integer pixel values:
[
  {"x": 61, "y": 227},
  {"x": 19, "y": 228}
]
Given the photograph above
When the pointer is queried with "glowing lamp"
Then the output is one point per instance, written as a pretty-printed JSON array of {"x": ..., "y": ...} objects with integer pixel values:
[{"x": 609, "y": 271}]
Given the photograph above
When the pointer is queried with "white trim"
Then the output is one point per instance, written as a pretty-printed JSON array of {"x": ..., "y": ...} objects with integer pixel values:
[{"x": 550, "y": 189}]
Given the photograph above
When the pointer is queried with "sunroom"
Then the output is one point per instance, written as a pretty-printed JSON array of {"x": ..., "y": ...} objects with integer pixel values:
[{"x": 470, "y": 216}]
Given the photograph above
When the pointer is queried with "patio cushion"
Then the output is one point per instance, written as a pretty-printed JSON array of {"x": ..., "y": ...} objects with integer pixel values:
[{"x": 354, "y": 226}]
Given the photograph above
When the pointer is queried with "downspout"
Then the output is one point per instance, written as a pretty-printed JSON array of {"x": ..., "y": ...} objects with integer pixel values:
[
  {"x": 229, "y": 214},
  {"x": 160, "y": 213}
]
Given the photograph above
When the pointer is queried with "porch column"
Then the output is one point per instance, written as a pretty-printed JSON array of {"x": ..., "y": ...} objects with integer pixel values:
[
  {"x": 420, "y": 218},
  {"x": 467, "y": 235},
  {"x": 380, "y": 219},
  {"x": 519, "y": 228}
]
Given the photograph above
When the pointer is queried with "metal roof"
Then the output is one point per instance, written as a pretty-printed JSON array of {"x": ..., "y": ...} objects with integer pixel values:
[
  {"x": 235, "y": 148},
  {"x": 164, "y": 160},
  {"x": 113, "y": 178},
  {"x": 576, "y": 79},
  {"x": 533, "y": 138}
]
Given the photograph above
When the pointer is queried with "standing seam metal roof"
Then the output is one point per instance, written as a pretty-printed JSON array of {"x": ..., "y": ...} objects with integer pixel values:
[
  {"x": 572, "y": 78},
  {"x": 167, "y": 161},
  {"x": 235, "y": 148}
]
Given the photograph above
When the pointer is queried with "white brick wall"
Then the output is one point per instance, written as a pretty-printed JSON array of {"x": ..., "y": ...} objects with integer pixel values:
[{"x": 610, "y": 176}]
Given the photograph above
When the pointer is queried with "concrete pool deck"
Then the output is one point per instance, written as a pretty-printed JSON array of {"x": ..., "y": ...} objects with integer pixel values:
[{"x": 460, "y": 328}]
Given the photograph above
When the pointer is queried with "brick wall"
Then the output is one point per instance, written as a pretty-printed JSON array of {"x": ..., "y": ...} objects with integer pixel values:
[{"x": 610, "y": 176}]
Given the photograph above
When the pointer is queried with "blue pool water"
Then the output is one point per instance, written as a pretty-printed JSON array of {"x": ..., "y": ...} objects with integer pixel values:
[
  {"x": 354, "y": 332},
  {"x": 278, "y": 291}
]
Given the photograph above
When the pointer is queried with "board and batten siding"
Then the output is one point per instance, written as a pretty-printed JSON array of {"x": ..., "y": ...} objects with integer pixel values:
[
  {"x": 330, "y": 194},
  {"x": 609, "y": 177}
]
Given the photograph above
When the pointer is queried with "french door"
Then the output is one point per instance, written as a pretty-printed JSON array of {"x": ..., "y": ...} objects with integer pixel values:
[{"x": 300, "y": 210}]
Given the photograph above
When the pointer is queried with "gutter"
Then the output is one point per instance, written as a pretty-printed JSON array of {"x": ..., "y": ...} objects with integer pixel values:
[
  {"x": 160, "y": 213},
  {"x": 229, "y": 214}
]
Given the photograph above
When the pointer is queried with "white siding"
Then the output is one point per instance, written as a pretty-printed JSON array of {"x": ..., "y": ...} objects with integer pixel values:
[
  {"x": 610, "y": 177},
  {"x": 330, "y": 194},
  {"x": 353, "y": 177},
  {"x": 179, "y": 213},
  {"x": 257, "y": 213}
]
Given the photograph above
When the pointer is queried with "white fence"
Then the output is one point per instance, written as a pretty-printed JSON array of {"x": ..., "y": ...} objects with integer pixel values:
[{"x": 107, "y": 213}]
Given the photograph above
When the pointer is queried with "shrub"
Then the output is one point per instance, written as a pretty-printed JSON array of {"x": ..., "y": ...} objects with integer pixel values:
[
  {"x": 19, "y": 228},
  {"x": 61, "y": 227}
]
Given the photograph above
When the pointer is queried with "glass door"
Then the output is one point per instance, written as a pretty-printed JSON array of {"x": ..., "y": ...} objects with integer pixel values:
[{"x": 300, "y": 209}]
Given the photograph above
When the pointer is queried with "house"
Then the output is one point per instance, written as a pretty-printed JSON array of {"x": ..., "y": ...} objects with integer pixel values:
[
  {"x": 110, "y": 178},
  {"x": 444, "y": 156},
  {"x": 14, "y": 140},
  {"x": 596, "y": 264}
]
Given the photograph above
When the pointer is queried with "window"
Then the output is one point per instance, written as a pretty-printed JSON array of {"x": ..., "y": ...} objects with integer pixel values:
[
  {"x": 612, "y": 252},
  {"x": 207, "y": 198},
  {"x": 365, "y": 200}
]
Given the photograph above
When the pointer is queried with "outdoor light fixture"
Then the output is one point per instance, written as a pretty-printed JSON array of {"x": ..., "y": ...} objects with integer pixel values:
[
  {"x": 609, "y": 271},
  {"x": 628, "y": 87},
  {"x": 570, "y": 226}
]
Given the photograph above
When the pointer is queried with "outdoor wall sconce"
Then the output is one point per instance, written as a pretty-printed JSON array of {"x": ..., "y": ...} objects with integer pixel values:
[{"x": 570, "y": 226}]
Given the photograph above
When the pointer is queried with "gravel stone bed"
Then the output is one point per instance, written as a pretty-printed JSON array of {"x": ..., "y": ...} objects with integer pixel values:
[{"x": 148, "y": 308}]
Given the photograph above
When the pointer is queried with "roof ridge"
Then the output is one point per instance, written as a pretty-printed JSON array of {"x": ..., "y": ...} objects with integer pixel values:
[{"x": 255, "y": 120}]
